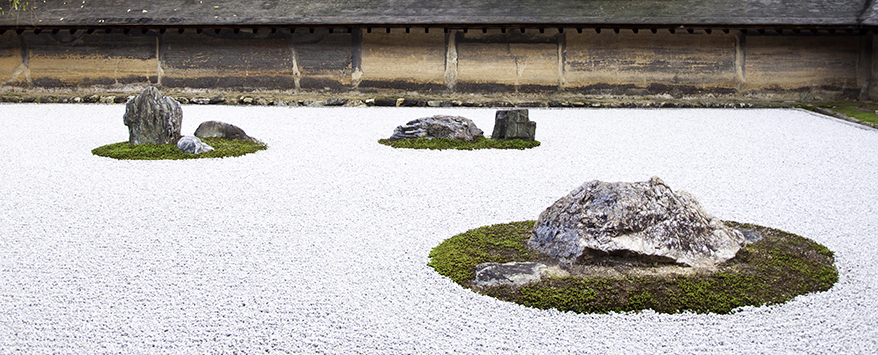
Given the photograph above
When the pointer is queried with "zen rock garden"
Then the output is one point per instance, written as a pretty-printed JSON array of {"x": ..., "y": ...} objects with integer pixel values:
[
  {"x": 606, "y": 246},
  {"x": 155, "y": 119},
  {"x": 508, "y": 124},
  {"x": 439, "y": 126},
  {"x": 641, "y": 243},
  {"x": 512, "y": 130},
  {"x": 642, "y": 222}
]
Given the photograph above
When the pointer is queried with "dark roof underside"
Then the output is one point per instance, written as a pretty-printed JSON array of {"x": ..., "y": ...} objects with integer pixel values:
[{"x": 169, "y": 13}]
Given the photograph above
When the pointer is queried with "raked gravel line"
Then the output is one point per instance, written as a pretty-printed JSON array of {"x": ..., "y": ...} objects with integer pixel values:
[{"x": 320, "y": 243}]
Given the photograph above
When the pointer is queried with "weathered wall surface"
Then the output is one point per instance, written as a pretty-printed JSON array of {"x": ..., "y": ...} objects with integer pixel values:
[
  {"x": 12, "y": 70},
  {"x": 224, "y": 59},
  {"x": 324, "y": 58},
  {"x": 263, "y": 59},
  {"x": 65, "y": 59},
  {"x": 413, "y": 60},
  {"x": 482, "y": 60},
  {"x": 610, "y": 62},
  {"x": 799, "y": 63},
  {"x": 511, "y": 61}
]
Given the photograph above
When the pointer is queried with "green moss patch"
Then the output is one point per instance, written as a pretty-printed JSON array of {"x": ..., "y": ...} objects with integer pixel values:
[
  {"x": 863, "y": 111},
  {"x": 771, "y": 271},
  {"x": 222, "y": 148},
  {"x": 445, "y": 143}
]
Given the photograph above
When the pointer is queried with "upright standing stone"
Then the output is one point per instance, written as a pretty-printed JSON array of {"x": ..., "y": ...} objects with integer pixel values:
[
  {"x": 153, "y": 118},
  {"x": 513, "y": 124}
]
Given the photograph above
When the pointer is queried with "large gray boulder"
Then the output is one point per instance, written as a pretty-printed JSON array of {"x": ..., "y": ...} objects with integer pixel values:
[
  {"x": 210, "y": 129},
  {"x": 634, "y": 219},
  {"x": 513, "y": 124},
  {"x": 153, "y": 118},
  {"x": 193, "y": 145},
  {"x": 439, "y": 126}
]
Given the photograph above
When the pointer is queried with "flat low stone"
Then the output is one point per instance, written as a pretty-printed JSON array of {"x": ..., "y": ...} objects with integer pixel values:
[
  {"x": 439, "y": 126},
  {"x": 192, "y": 145},
  {"x": 645, "y": 220},
  {"x": 209, "y": 129},
  {"x": 335, "y": 101},
  {"x": 512, "y": 274}
]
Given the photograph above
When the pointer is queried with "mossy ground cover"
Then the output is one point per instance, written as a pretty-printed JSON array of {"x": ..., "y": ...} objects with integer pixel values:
[
  {"x": 445, "y": 143},
  {"x": 770, "y": 271},
  {"x": 863, "y": 111},
  {"x": 222, "y": 148}
]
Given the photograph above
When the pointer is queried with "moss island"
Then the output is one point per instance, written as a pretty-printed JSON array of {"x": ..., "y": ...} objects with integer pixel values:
[
  {"x": 773, "y": 270},
  {"x": 222, "y": 148},
  {"x": 446, "y": 143}
]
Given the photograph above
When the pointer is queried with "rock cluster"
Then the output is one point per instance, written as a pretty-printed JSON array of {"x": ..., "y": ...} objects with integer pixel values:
[
  {"x": 153, "y": 118},
  {"x": 439, "y": 126},
  {"x": 640, "y": 219},
  {"x": 513, "y": 124}
]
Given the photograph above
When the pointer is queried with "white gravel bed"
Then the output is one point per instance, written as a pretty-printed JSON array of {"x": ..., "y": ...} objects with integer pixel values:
[{"x": 320, "y": 243}]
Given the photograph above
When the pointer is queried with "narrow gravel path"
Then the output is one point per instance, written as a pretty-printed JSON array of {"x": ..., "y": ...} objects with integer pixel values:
[{"x": 320, "y": 243}]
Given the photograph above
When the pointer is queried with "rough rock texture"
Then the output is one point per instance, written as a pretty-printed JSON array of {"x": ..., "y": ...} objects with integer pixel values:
[
  {"x": 208, "y": 129},
  {"x": 439, "y": 126},
  {"x": 513, "y": 124},
  {"x": 153, "y": 118},
  {"x": 193, "y": 145},
  {"x": 513, "y": 274},
  {"x": 634, "y": 219}
]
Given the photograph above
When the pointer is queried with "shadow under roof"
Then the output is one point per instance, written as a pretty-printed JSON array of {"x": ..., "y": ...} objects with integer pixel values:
[{"x": 663, "y": 13}]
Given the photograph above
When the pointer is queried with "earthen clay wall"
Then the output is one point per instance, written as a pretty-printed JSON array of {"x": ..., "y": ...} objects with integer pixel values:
[{"x": 586, "y": 61}]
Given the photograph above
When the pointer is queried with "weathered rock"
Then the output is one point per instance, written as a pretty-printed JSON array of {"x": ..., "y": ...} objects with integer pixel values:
[
  {"x": 153, "y": 118},
  {"x": 641, "y": 219},
  {"x": 439, "y": 126},
  {"x": 355, "y": 103},
  {"x": 335, "y": 101},
  {"x": 513, "y": 124},
  {"x": 192, "y": 145},
  {"x": 512, "y": 274},
  {"x": 208, "y": 129},
  {"x": 387, "y": 102},
  {"x": 285, "y": 102}
]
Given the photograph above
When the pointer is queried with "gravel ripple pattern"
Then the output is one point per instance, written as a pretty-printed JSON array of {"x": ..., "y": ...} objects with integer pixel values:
[{"x": 319, "y": 244}]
